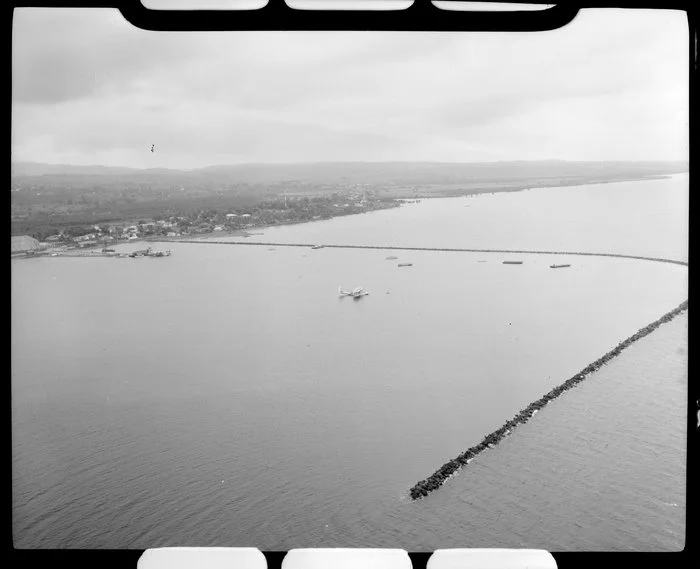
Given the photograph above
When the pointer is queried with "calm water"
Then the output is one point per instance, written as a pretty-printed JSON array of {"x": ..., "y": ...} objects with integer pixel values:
[{"x": 227, "y": 396}]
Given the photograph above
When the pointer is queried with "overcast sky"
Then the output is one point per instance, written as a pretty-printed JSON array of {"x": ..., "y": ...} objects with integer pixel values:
[{"x": 89, "y": 88}]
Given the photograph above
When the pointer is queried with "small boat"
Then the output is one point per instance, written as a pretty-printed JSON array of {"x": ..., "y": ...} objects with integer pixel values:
[
  {"x": 405, "y": 264},
  {"x": 558, "y": 266},
  {"x": 317, "y": 247},
  {"x": 512, "y": 262}
]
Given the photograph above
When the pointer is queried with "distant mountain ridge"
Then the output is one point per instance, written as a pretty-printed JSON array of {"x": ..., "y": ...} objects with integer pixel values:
[
  {"x": 40, "y": 169},
  {"x": 366, "y": 172}
]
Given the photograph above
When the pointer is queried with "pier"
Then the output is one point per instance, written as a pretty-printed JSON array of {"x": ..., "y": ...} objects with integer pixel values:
[{"x": 79, "y": 253}]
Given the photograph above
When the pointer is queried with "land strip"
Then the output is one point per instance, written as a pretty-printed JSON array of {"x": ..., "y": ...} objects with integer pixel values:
[{"x": 64, "y": 202}]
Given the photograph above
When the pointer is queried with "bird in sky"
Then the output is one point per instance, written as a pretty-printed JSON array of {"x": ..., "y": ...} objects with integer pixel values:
[{"x": 152, "y": 147}]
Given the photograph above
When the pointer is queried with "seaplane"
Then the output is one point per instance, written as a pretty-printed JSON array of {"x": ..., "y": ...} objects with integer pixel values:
[{"x": 357, "y": 292}]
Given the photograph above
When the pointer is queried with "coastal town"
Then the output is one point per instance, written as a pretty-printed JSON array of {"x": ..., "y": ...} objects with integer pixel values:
[{"x": 279, "y": 210}]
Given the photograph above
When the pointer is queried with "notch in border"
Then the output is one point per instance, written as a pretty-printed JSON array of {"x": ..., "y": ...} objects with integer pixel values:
[{"x": 420, "y": 16}]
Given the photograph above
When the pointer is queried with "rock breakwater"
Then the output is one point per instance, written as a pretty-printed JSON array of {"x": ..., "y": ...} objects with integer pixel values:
[
  {"x": 438, "y": 478},
  {"x": 445, "y": 249}
]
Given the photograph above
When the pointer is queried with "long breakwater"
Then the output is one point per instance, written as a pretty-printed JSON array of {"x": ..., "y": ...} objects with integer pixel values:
[
  {"x": 445, "y": 249},
  {"x": 440, "y": 476},
  {"x": 447, "y": 470}
]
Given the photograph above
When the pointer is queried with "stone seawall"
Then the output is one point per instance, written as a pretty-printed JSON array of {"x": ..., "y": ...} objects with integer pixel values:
[
  {"x": 446, "y": 249},
  {"x": 438, "y": 478}
]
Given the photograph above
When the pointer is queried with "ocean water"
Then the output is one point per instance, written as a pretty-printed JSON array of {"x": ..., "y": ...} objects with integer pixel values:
[{"x": 225, "y": 396}]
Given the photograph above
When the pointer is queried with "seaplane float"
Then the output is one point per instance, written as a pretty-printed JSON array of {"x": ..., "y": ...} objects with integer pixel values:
[{"x": 357, "y": 292}]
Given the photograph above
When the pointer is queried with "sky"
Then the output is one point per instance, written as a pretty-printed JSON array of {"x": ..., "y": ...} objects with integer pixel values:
[{"x": 90, "y": 88}]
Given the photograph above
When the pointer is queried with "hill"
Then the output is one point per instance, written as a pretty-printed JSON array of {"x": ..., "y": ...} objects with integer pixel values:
[{"x": 353, "y": 172}]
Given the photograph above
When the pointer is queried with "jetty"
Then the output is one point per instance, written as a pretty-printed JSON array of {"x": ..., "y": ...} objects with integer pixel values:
[
  {"x": 81, "y": 253},
  {"x": 445, "y": 249},
  {"x": 105, "y": 252},
  {"x": 441, "y": 475}
]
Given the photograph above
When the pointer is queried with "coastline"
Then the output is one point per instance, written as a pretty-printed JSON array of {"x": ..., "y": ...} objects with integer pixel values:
[
  {"x": 519, "y": 187},
  {"x": 397, "y": 199},
  {"x": 251, "y": 231}
]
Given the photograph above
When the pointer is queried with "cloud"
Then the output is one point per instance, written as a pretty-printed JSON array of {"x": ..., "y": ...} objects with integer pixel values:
[
  {"x": 61, "y": 54},
  {"x": 88, "y": 87}
]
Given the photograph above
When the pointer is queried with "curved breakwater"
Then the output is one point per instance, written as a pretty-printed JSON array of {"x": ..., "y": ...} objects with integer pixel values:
[
  {"x": 440, "y": 476},
  {"x": 446, "y": 249}
]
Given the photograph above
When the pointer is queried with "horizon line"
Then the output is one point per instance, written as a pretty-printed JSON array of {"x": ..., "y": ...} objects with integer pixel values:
[{"x": 340, "y": 162}]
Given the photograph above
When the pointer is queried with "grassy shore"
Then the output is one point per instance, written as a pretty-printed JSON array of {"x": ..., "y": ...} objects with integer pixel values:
[
  {"x": 493, "y": 187},
  {"x": 437, "y": 191},
  {"x": 422, "y": 192}
]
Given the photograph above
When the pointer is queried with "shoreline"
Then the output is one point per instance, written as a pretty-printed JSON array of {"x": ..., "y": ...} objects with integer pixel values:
[
  {"x": 253, "y": 231},
  {"x": 441, "y": 475},
  {"x": 397, "y": 199},
  {"x": 522, "y": 186},
  {"x": 519, "y": 187}
]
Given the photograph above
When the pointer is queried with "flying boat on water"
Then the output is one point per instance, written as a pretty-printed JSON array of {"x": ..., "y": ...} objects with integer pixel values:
[{"x": 357, "y": 292}]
